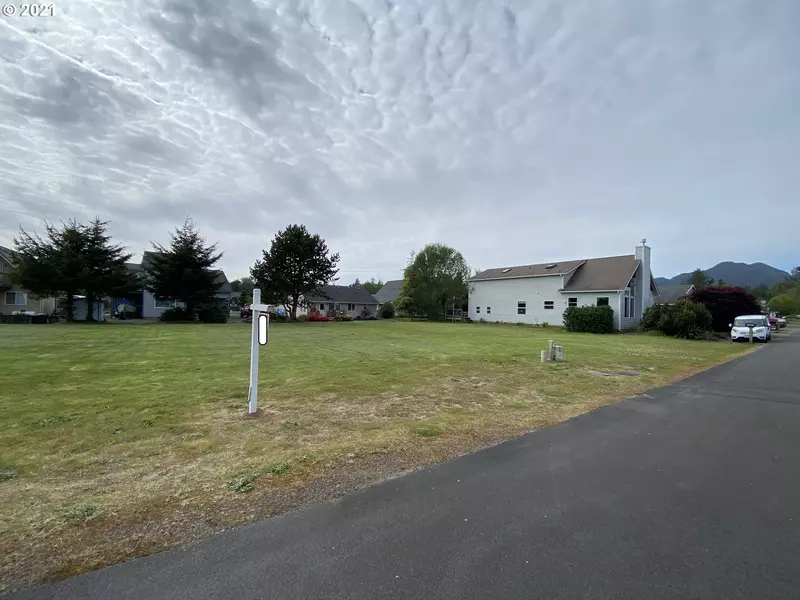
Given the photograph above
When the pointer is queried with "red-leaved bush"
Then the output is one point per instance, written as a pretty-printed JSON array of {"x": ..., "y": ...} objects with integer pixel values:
[{"x": 725, "y": 304}]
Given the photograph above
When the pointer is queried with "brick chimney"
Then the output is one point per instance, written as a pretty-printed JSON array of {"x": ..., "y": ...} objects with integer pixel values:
[{"x": 643, "y": 254}]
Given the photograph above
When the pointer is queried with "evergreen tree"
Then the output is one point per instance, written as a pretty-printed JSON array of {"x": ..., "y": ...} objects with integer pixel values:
[
  {"x": 183, "y": 271},
  {"x": 297, "y": 264},
  {"x": 104, "y": 272}
]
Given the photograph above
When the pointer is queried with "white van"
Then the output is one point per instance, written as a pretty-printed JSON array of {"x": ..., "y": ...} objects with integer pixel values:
[{"x": 740, "y": 328}]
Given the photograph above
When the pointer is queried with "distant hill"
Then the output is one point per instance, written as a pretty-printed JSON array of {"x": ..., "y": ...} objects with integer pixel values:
[{"x": 735, "y": 274}]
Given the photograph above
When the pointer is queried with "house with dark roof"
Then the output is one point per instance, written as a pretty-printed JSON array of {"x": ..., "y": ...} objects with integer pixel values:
[
  {"x": 355, "y": 301},
  {"x": 535, "y": 294},
  {"x": 148, "y": 306},
  {"x": 670, "y": 294},
  {"x": 389, "y": 291},
  {"x": 13, "y": 297}
]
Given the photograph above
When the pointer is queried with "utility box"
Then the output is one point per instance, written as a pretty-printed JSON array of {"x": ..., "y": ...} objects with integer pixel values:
[{"x": 558, "y": 352}]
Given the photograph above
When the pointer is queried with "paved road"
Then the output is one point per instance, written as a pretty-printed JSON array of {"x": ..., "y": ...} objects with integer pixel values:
[{"x": 690, "y": 492}]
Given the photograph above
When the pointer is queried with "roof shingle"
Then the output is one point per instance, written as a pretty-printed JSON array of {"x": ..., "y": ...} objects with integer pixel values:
[
  {"x": 342, "y": 293},
  {"x": 389, "y": 291},
  {"x": 607, "y": 274},
  {"x": 553, "y": 268}
]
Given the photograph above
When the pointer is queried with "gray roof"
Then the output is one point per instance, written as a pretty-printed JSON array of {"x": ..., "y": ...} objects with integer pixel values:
[
  {"x": 7, "y": 254},
  {"x": 555, "y": 268},
  {"x": 342, "y": 293},
  {"x": 670, "y": 294},
  {"x": 610, "y": 273},
  {"x": 603, "y": 274},
  {"x": 147, "y": 256},
  {"x": 389, "y": 291}
]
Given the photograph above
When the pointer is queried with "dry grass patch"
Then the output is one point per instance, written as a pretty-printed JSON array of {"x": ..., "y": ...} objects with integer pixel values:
[{"x": 119, "y": 440}]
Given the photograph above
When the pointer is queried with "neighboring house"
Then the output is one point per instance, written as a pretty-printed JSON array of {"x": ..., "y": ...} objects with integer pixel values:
[
  {"x": 389, "y": 292},
  {"x": 12, "y": 297},
  {"x": 355, "y": 301},
  {"x": 670, "y": 294},
  {"x": 534, "y": 294},
  {"x": 149, "y": 306}
]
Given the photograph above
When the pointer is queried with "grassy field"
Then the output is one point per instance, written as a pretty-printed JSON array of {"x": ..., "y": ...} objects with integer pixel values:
[{"x": 122, "y": 439}]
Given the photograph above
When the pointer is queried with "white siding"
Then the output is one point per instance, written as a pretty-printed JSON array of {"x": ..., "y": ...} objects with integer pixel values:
[
  {"x": 590, "y": 299},
  {"x": 502, "y": 295}
]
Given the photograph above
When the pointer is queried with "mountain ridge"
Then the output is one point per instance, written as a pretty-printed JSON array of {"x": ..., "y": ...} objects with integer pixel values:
[{"x": 735, "y": 273}]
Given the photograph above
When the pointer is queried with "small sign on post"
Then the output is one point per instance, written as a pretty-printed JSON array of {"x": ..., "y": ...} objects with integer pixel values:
[{"x": 259, "y": 337}]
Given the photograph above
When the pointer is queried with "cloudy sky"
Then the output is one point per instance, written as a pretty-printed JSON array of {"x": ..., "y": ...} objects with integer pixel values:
[{"x": 518, "y": 131}]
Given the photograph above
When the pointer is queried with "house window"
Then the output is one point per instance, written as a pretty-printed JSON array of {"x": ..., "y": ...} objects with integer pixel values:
[
  {"x": 488, "y": 310},
  {"x": 351, "y": 307},
  {"x": 630, "y": 303},
  {"x": 549, "y": 304},
  {"x": 572, "y": 302},
  {"x": 603, "y": 301},
  {"x": 521, "y": 306},
  {"x": 163, "y": 302},
  {"x": 478, "y": 309},
  {"x": 16, "y": 299}
]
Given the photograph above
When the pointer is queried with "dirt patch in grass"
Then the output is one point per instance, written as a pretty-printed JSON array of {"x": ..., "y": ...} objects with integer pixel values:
[{"x": 110, "y": 463}]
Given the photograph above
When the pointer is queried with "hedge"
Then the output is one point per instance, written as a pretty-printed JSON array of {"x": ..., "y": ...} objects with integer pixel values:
[{"x": 589, "y": 319}]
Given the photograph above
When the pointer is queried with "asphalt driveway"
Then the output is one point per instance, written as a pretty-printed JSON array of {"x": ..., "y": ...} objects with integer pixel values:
[{"x": 690, "y": 491}]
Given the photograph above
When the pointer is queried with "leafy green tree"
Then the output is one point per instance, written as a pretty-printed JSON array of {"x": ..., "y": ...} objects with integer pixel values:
[
  {"x": 437, "y": 274},
  {"x": 373, "y": 285},
  {"x": 787, "y": 303},
  {"x": 52, "y": 266},
  {"x": 699, "y": 279},
  {"x": 297, "y": 264},
  {"x": 183, "y": 271},
  {"x": 244, "y": 287},
  {"x": 103, "y": 273}
]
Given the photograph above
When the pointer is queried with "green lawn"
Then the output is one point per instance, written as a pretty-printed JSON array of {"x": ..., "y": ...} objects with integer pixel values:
[{"x": 119, "y": 438}]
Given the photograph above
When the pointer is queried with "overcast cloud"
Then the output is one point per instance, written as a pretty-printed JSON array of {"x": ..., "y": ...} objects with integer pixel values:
[{"x": 518, "y": 131}]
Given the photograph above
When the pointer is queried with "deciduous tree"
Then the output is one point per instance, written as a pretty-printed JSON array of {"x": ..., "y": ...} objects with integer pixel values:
[{"x": 437, "y": 274}]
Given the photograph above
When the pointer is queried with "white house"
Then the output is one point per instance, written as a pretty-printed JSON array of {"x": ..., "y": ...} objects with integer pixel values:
[{"x": 535, "y": 294}]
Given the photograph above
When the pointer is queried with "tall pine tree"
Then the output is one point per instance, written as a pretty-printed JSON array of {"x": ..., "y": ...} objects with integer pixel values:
[
  {"x": 52, "y": 266},
  {"x": 183, "y": 271},
  {"x": 104, "y": 271}
]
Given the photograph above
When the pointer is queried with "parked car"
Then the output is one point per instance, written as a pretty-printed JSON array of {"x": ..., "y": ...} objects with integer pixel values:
[
  {"x": 740, "y": 328},
  {"x": 779, "y": 320}
]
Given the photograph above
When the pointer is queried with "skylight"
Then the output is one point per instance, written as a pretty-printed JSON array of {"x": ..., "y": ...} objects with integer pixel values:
[
  {"x": 506, "y": 270},
  {"x": 553, "y": 266}
]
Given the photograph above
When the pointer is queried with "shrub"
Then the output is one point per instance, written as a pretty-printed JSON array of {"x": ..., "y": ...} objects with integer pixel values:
[
  {"x": 589, "y": 319},
  {"x": 302, "y": 318},
  {"x": 652, "y": 316},
  {"x": 690, "y": 320},
  {"x": 726, "y": 304},
  {"x": 172, "y": 315},
  {"x": 212, "y": 314},
  {"x": 684, "y": 319},
  {"x": 387, "y": 311},
  {"x": 276, "y": 316}
]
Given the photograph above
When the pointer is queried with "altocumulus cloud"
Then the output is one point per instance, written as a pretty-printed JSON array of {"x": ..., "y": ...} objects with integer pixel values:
[{"x": 517, "y": 131}]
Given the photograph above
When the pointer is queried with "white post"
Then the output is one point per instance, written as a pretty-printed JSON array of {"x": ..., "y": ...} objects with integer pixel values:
[{"x": 253, "y": 406}]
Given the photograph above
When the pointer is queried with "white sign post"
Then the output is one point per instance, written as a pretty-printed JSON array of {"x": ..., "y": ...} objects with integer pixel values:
[{"x": 259, "y": 337}]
